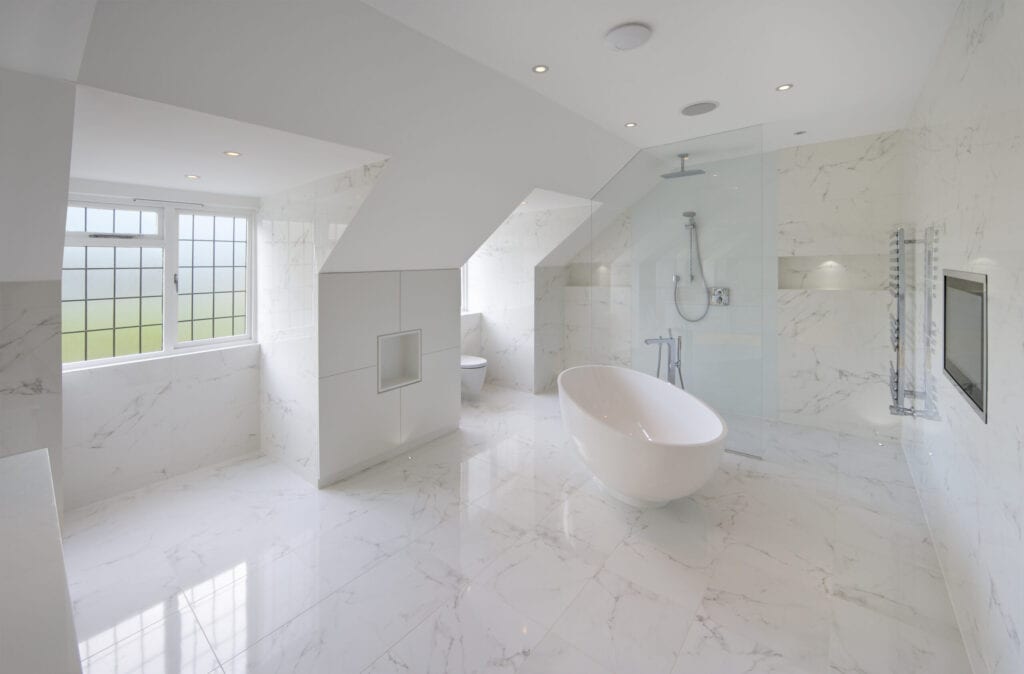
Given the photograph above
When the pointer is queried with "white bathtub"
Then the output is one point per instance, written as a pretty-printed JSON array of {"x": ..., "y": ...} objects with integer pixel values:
[{"x": 645, "y": 440}]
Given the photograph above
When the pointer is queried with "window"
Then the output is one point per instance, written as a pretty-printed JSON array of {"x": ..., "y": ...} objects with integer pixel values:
[{"x": 122, "y": 261}]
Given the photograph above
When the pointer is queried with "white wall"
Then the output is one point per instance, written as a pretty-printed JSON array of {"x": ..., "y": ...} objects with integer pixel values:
[
  {"x": 36, "y": 116},
  {"x": 502, "y": 288},
  {"x": 966, "y": 168},
  {"x": 467, "y": 144},
  {"x": 131, "y": 424},
  {"x": 296, "y": 232},
  {"x": 358, "y": 425}
]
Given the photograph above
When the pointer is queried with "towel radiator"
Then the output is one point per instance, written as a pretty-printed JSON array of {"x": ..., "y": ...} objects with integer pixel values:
[{"x": 906, "y": 400}]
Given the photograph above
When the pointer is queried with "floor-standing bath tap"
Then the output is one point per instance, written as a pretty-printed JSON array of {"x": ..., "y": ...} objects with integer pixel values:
[{"x": 675, "y": 347}]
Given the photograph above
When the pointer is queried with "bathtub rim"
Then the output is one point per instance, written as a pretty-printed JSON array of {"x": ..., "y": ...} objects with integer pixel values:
[{"x": 719, "y": 439}]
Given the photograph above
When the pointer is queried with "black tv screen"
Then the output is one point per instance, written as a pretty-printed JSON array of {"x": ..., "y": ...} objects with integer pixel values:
[{"x": 965, "y": 347}]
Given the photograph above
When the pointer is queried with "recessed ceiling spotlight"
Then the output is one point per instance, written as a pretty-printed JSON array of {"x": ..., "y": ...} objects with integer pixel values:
[
  {"x": 628, "y": 36},
  {"x": 629, "y": 125},
  {"x": 232, "y": 153},
  {"x": 784, "y": 87},
  {"x": 191, "y": 176},
  {"x": 540, "y": 68},
  {"x": 700, "y": 108}
]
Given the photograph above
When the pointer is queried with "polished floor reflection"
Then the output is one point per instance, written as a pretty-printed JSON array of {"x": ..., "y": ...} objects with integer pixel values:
[{"x": 491, "y": 550}]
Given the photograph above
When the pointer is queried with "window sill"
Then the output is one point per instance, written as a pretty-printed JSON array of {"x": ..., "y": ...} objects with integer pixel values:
[{"x": 85, "y": 366}]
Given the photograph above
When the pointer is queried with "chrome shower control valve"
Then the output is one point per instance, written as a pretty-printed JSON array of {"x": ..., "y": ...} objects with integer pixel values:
[{"x": 719, "y": 297}]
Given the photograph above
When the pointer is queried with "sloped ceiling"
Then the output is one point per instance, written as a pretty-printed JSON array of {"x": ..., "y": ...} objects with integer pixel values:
[
  {"x": 466, "y": 144},
  {"x": 44, "y": 37}
]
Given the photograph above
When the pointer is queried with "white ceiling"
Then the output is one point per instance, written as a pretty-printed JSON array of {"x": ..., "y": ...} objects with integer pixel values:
[
  {"x": 546, "y": 200},
  {"x": 44, "y": 37},
  {"x": 123, "y": 139},
  {"x": 857, "y": 66}
]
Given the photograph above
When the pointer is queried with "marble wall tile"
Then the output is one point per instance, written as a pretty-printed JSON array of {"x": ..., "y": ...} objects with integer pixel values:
[
  {"x": 837, "y": 204},
  {"x": 470, "y": 338},
  {"x": 30, "y": 371},
  {"x": 296, "y": 232},
  {"x": 503, "y": 288},
  {"x": 965, "y": 170},
  {"x": 132, "y": 424}
]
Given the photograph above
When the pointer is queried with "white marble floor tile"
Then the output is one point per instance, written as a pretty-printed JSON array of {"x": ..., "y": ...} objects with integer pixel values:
[
  {"x": 354, "y": 626},
  {"x": 539, "y": 576},
  {"x": 168, "y": 639},
  {"x": 261, "y": 600},
  {"x": 469, "y": 540},
  {"x": 624, "y": 626},
  {"x": 554, "y": 654},
  {"x": 475, "y": 632},
  {"x": 493, "y": 550}
]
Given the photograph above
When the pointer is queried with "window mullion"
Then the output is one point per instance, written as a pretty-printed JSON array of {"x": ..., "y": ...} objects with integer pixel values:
[{"x": 170, "y": 270}]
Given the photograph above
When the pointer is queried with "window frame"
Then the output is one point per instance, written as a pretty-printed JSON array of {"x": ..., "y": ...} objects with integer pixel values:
[{"x": 166, "y": 239}]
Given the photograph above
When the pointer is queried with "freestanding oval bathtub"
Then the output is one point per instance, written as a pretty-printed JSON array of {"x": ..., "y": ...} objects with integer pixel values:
[{"x": 645, "y": 440}]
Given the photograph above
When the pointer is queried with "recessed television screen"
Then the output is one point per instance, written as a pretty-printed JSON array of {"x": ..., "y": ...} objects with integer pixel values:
[{"x": 965, "y": 336}]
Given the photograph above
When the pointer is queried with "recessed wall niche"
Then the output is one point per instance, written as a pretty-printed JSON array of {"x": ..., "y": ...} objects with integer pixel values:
[{"x": 399, "y": 357}]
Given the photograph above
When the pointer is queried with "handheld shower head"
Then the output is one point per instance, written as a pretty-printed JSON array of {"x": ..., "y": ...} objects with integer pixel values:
[{"x": 682, "y": 172}]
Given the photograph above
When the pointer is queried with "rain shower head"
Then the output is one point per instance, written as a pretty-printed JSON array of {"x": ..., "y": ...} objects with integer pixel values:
[{"x": 682, "y": 172}]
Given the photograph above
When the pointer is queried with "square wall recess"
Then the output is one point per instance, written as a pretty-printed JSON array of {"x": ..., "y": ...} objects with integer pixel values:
[{"x": 399, "y": 360}]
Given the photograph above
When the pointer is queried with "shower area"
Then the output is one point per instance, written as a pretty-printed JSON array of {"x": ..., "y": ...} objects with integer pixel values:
[{"x": 678, "y": 248}]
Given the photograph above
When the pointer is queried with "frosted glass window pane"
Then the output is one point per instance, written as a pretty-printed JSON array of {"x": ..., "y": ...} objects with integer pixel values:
[
  {"x": 185, "y": 226},
  {"x": 127, "y": 282},
  {"x": 127, "y": 257},
  {"x": 126, "y": 222},
  {"x": 99, "y": 220},
  {"x": 202, "y": 280},
  {"x": 152, "y": 310},
  {"x": 126, "y": 341},
  {"x": 150, "y": 223},
  {"x": 223, "y": 253},
  {"x": 76, "y": 219},
  {"x": 223, "y": 278},
  {"x": 152, "y": 282},
  {"x": 222, "y": 327},
  {"x": 239, "y": 278},
  {"x": 184, "y": 307},
  {"x": 222, "y": 305},
  {"x": 72, "y": 316},
  {"x": 202, "y": 329},
  {"x": 126, "y": 312},
  {"x": 241, "y": 227},
  {"x": 72, "y": 285},
  {"x": 239, "y": 254},
  {"x": 185, "y": 253},
  {"x": 202, "y": 254},
  {"x": 99, "y": 257},
  {"x": 152, "y": 257},
  {"x": 224, "y": 228},
  {"x": 74, "y": 257},
  {"x": 152, "y": 338},
  {"x": 99, "y": 283},
  {"x": 73, "y": 347},
  {"x": 100, "y": 344},
  {"x": 184, "y": 280},
  {"x": 202, "y": 227},
  {"x": 99, "y": 314},
  {"x": 202, "y": 306}
]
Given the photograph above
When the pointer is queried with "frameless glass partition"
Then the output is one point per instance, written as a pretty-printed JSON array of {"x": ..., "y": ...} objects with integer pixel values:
[{"x": 678, "y": 249}]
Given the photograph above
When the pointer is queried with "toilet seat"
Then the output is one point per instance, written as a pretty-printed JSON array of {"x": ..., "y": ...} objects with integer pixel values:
[{"x": 473, "y": 362}]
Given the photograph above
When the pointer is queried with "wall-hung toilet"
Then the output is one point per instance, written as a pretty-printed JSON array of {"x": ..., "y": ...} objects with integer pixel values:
[{"x": 474, "y": 370}]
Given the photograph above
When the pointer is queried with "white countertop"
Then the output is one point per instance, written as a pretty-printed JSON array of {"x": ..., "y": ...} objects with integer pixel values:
[{"x": 37, "y": 633}]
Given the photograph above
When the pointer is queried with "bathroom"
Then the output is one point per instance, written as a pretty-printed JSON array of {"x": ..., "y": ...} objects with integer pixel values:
[{"x": 428, "y": 266}]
